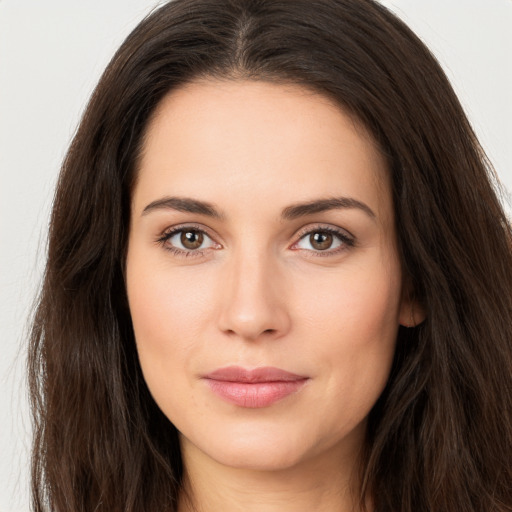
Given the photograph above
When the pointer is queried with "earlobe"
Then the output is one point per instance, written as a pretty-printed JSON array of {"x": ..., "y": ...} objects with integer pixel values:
[{"x": 412, "y": 312}]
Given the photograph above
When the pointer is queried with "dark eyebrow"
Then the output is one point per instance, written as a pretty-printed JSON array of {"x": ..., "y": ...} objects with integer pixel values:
[
  {"x": 183, "y": 204},
  {"x": 322, "y": 205}
]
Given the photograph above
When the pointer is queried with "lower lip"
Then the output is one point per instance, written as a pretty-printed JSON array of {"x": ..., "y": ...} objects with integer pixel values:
[{"x": 254, "y": 394}]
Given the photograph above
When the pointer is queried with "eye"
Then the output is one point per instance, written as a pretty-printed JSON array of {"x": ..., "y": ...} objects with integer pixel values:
[
  {"x": 326, "y": 240},
  {"x": 187, "y": 240}
]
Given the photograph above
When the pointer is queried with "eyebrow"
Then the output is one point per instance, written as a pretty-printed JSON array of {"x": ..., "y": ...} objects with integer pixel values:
[
  {"x": 321, "y": 205},
  {"x": 294, "y": 211},
  {"x": 183, "y": 204}
]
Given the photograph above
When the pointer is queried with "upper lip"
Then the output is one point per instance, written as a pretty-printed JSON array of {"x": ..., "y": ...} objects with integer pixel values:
[{"x": 261, "y": 374}]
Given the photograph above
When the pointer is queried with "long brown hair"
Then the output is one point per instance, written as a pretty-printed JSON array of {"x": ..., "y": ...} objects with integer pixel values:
[{"x": 440, "y": 436}]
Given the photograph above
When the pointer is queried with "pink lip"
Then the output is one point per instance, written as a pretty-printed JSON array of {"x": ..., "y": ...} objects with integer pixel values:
[{"x": 256, "y": 388}]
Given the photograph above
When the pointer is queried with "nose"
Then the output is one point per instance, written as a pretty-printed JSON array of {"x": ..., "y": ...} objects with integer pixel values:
[{"x": 253, "y": 299}]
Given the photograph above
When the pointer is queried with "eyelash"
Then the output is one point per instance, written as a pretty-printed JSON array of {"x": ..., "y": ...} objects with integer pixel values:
[
  {"x": 167, "y": 235},
  {"x": 347, "y": 240}
]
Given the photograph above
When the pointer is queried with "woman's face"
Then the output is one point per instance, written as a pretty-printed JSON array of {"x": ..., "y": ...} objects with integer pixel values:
[{"x": 262, "y": 238}]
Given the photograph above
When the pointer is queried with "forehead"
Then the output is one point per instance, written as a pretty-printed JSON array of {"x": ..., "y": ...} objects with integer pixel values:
[{"x": 260, "y": 141}]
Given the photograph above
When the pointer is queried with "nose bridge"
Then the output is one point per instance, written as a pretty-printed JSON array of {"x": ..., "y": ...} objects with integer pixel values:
[{"x": 252, "y": 295}]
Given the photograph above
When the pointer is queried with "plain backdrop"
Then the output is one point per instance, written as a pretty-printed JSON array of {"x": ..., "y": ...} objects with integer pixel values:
[{"x": 52, "y": 53}]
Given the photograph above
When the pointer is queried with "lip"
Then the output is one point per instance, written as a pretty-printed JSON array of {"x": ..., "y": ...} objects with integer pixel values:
[{"x": 260, "y": 387}]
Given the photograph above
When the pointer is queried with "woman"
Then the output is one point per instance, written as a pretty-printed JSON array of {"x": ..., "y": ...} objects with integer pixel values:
[{"x": 278, "y": 276}]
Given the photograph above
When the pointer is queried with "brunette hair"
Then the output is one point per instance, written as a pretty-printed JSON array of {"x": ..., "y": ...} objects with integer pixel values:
[{"x": 440, "y": 436}]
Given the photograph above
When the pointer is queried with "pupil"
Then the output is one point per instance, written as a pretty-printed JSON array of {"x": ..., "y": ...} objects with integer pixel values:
[
  {"x": 191, "y": 239},
  {"x": 321, "y": 241}
]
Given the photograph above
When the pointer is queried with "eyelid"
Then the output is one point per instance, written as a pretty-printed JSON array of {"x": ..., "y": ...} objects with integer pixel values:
[
  {"x": 183, "y": 227},
  {"x": 311, "y": 228}
]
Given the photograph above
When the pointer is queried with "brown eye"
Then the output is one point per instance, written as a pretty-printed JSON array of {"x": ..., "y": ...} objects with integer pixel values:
[
  {"x": 191, "y": 239},
  {"x": 321, "y": 240},
  {"x": 188, "y": 241},
  {"x": 329, "y": 241}
]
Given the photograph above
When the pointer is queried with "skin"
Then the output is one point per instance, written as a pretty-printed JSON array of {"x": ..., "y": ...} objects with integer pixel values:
[{"x": 260, "y": 292}]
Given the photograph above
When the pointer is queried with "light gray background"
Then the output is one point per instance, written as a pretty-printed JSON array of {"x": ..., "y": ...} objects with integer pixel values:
[{"x": 52, "y": 53}]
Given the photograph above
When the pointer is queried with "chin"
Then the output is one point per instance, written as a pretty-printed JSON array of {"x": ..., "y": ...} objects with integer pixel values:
[
  {"x": 261, "y": 451},
  {"x": 259, "y": 458}
]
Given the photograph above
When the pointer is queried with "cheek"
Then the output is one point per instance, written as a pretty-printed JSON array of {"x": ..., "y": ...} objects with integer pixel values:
[
  {"x": 353, "y": 321},
  {"x": 363, "y": 300},
  {"x": 168, "y": 318}
]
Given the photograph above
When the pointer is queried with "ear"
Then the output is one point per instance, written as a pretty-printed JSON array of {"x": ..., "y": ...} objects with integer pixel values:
[{"x": 412, "y": 312}]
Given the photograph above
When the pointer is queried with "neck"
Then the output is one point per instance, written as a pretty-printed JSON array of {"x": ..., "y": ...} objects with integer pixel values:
[{"x": 324, "y": 484}]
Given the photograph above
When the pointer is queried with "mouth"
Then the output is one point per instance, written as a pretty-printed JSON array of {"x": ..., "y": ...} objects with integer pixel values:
[{"x": 260, "y": 387}]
